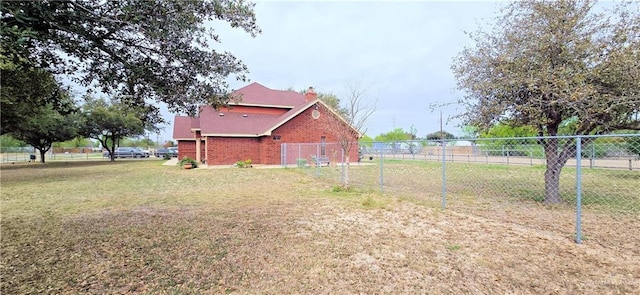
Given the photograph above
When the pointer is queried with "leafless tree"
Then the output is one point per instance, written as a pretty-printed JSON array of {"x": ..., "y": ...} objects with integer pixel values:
[{"x": 357, "y": 109}]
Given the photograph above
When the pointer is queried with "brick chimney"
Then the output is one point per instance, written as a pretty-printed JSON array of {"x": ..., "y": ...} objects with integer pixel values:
[{"x": 310, "y": 94}]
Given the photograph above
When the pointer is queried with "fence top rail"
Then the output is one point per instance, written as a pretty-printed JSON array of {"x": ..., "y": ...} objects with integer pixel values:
[
  {"x": 480, "y": 139},
  {"x": 544, "y": 137},
  {"x": 522, "y": 138}
]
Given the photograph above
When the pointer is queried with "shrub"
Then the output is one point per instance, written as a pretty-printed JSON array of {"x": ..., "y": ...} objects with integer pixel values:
[
  {"x": 244, "y": 164},
  {"x": 187, "y": 160}
]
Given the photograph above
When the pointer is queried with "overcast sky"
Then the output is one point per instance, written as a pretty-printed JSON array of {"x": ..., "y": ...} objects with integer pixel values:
[{"x": 400, "y": 53}]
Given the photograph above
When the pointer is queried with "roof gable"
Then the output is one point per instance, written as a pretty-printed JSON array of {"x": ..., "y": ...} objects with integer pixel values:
[
  {"x": 182, "y": 126},
  {"x": 296, "y": 111}
]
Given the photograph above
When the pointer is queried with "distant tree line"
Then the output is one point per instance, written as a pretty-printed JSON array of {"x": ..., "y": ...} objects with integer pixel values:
[
  {"x": 501, "y": 134},
  {"x": 60, "y": 119}
]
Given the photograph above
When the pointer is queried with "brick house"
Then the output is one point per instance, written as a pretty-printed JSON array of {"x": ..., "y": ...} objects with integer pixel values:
[{"x": 257, "y": 125}]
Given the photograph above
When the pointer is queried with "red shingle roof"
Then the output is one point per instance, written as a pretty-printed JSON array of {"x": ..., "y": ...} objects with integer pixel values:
[
  {"x": 182, "y": 127},
  {"x": 256, "y": 94},
  {"x": 231, "y": 123},
  {"x": 235, "y": 124}
]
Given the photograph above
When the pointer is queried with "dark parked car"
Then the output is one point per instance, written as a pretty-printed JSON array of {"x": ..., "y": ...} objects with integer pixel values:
[
  {"x": 145, "y": 153},
  {"x": 159, "y": 153},
  {"x": 126, "y": 152}
]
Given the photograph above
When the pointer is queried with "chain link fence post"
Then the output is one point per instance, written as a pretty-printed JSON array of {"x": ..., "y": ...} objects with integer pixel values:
[
  {"x": 444, "y": 174},
  {"x": 381, "y": 171},
  {"x": 579, "y": 190},
  {"x": 342, "y": 160}
]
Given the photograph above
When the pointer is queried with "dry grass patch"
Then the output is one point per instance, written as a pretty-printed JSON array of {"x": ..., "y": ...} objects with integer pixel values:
[{"x": 149, "y": 229}]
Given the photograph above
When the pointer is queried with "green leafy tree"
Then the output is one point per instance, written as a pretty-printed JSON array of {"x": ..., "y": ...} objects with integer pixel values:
[
  {"x": 76, "y": 142},
  {"x": 329, "y": 99},
  {"x": 137, "y": 142},
  {"x": 434, "y": 137},
  {"x": 334, "y": 102},
  {"x": 502, "y": 139},
  {"x": 393, "y": 136},
  {"x": 366, "y": 141},
  {"x": 35, "y": 108},
  {"x": 549, "y": 61},
  {"x": 8, "y": 143},
  {"x": 25, "y": 91},
  {"x": 440, "y": 135},
  {"x": 45, "y": 128},
  {"x": 147, "y": 143},
  {"x": 127, "y": 141},
  {"x": 502, "y": 130},
  {"x": 632, "y": 144},
  {"x": 160, "y": 49},
  {"x": 469, "y": 132},
  {"x": 111, "y": 121}
]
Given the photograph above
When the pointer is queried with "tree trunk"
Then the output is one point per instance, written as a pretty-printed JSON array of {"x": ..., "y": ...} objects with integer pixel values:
[
  {"x": 42, "y": 153},
  {"x": 552, "y": 184},
  {"x": 556, "y": 159},
  {"x": 552, "y": 174},
  {"x": 112, "y": 156},
  {"x": 345, "y": 177}
]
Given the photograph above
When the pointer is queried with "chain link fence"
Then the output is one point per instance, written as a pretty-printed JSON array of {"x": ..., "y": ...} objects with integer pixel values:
[
  {"x": 21, "y": 157},
  {"x": 584, "y": 188}
]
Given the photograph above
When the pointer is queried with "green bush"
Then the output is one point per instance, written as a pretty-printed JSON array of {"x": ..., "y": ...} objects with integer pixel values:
[
  {"x": 187, "y": 160},
  {"x": 244, "y": 164}
]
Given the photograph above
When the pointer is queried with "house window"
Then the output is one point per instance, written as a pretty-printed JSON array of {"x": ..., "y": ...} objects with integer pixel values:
[
  {"x": 323, "y": 145},
  {"x": 277, "y": 137}
]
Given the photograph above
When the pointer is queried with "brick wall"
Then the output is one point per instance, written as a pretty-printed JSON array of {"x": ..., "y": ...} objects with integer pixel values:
[
  {"x": 304, "y": 128},
  {"x": 266, "y": 150},
  {"x": 269, "y": 150},
  {"x": 228, "y": 150},
  {"x": 203, "y": 150},
  {"x": 186, "y": 149}
]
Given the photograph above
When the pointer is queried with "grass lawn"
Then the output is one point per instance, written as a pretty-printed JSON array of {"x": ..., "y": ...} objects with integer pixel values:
[{"x": 139, "y": 227}]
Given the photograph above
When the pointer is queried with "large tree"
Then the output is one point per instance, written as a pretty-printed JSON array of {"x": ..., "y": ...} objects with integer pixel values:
[
  {"x": 440, "y": 135},
  {"x": 394, "y": 136},
  {"x": 547, "y": 63},
  {"x": 25, "y": 91},
  {"x": 46, "y": 127},
  {"x": 36, "y": 109},
  {"x": 330, "y": 99},
  {"x": 110, "y": 121},
  {"x": 160, "y": 50},
  {"x": 334, "y": 102}
]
